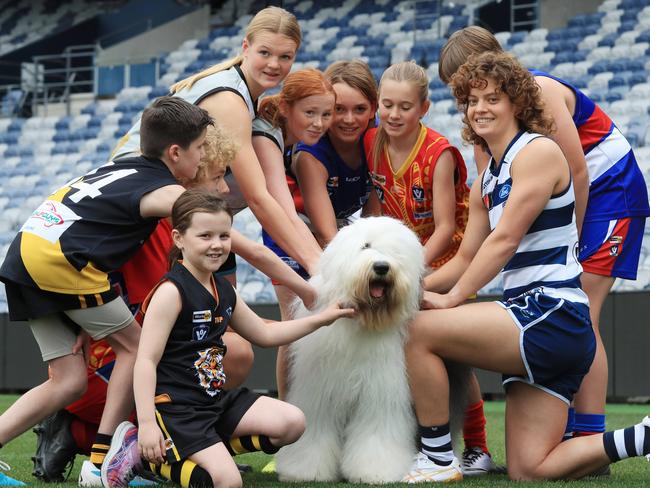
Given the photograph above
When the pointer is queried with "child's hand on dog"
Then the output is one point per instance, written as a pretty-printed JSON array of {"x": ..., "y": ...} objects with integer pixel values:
[{"x": 337, "y": 311}]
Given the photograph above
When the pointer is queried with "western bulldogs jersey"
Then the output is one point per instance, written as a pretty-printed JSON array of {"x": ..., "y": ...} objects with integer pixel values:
[
  {"x": 547, "y": 254},
  {"x": 85, "y": 229},
  {"x": 228, "y": 80},
  {"x": 407, "y": 193},
  {"x": 348, "y": 188},
  {"x": 190, "y": 369},
  {"x": 617, "y": 188}
]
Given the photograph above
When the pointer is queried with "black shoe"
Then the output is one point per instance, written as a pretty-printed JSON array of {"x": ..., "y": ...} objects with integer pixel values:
[
  {"x": 55, "y": 447},
  {"x": 244, "y": 468}
]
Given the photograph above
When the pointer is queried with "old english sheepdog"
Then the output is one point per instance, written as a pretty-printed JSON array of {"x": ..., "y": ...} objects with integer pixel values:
[{"x": 350, "y": 378}]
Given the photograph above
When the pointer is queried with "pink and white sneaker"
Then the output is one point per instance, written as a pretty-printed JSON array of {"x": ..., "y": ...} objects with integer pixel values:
[{"x": 122, "y": 462}]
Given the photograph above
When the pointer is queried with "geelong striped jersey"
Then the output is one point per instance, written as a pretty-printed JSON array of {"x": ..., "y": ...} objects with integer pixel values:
[
  {"x": 547, "y": 255},
  {"x": 616, "y": 185}
]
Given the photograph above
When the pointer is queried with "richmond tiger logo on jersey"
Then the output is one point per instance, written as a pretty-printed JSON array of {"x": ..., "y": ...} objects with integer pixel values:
[{"x": 209, "y": 370}]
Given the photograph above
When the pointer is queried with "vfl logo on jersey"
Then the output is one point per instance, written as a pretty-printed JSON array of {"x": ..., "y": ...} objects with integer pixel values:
[
  {"x": 418, "y": 193},
  {"x": 50, "y": 220},
  {"x": 200, "y": 316},
  {"x": 229, "y": 311},
  {"x": 200, "y": 332},
  {"x": 380, "y": 194},
  {"x": 333, "y": 182},
  {"x": 209, "y": 370},
  {"x": 504, "y": 192}
]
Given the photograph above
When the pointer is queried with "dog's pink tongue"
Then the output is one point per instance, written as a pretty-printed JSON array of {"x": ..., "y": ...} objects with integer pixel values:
[{"x": 377, "y": 290}]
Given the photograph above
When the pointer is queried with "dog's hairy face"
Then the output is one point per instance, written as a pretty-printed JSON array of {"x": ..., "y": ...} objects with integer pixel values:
[{"x": 376, "y": 266}]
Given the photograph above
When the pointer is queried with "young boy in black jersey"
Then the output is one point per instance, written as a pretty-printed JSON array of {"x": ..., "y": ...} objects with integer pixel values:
[{"x": 56, "y": 268}]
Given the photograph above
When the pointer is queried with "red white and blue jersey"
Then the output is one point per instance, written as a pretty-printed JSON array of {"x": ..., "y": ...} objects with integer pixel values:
[
  {"x": 547, "y": 255},
  {"x": 616, "y": 185}
]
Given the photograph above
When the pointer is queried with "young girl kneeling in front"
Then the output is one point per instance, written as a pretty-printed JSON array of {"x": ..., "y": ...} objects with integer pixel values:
[{"x": 183, "y": 411}]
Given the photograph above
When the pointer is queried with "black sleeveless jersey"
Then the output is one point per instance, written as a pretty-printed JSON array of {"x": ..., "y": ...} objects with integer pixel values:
[
  {"x": 190, "y": 370},
  {"x": 88, "y": 227}
]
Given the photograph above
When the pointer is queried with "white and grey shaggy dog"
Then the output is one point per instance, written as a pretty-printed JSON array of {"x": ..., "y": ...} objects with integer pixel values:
[{"x": 350, "y": 378}]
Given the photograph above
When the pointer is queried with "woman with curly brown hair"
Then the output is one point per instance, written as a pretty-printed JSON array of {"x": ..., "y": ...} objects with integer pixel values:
[
  {"x": 611, "y": 202},
  {"x": 522, "y": 225}
]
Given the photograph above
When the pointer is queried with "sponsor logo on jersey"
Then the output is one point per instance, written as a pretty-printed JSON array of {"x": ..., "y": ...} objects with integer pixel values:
[
  {"x": 616, "y": 239},
  {"x": 504, "y": 191},
  {"x": 50, "y": 220},
  {"x": 423, "y": 215},
  {"x": 333, "y": 182},
  {"x": 199, "y": 316},
  {"x": 352, "y": 179}
]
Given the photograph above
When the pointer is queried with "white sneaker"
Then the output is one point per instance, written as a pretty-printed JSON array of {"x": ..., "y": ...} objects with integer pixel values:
[
  {"x": 424, "y": 470},
  {"x": 90, "y": 476},
  {"x": 477, "y": 462}
]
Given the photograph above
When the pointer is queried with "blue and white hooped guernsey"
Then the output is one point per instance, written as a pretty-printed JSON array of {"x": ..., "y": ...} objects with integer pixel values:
[{"x": 547, "y": 254}]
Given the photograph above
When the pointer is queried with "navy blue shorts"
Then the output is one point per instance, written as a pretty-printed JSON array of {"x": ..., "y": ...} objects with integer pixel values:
[
  {"x": 557, "y": 342},
  {"x": 281, "y": 253}
]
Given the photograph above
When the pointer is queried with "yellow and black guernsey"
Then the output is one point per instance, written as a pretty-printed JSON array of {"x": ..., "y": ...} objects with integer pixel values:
[
  {"x": 92, "y": 225},
  {"x": 190, "y": 370}
]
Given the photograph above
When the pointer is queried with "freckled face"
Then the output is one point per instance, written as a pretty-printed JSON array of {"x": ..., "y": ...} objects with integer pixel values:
[{"x": 310, "y": 117}]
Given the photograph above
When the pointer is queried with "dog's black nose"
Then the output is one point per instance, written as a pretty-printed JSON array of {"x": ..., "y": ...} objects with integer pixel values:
[{"x": 381, "y": 267}]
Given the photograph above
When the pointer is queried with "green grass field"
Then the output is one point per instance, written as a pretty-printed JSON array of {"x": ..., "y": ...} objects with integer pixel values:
[{"x": 629, "y": 473}]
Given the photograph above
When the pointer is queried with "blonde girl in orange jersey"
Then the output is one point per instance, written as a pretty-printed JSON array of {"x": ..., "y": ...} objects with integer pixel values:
[{"x": 419, "y": 177}]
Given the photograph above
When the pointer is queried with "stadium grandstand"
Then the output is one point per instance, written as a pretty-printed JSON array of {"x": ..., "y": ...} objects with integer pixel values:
[{"x": 76, "y": 76}]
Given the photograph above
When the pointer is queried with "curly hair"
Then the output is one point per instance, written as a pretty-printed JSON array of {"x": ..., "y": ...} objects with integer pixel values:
[
  {"x": 220, "y": 150},
  {"x": 512, "y": 79}
]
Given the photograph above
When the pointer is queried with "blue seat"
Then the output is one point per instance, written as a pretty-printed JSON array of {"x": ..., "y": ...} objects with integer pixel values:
[
  {"x": 63, "y": 123},
  {"x": 617, "y": 81},
  {"x": 613, "y": 96}
]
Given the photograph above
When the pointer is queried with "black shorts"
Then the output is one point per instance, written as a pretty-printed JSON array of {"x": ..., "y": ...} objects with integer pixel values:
[
  {"x": 26, "y": 302},
  {"x": 191, "y": 428}
]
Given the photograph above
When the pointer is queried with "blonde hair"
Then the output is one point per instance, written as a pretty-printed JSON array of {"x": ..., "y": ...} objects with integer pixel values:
[
  {"x": 355, "y": 74},
  {"x": 220, "y": 150},
  {"x": 461, "y": 45},
  {"x": 410, "y": 72},
  {"x": 297, "y": 85},
  {"x": 271, "y": 19}
]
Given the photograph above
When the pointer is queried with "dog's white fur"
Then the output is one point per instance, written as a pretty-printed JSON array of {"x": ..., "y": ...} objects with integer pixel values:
[{"x": 350, "y": 378}]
